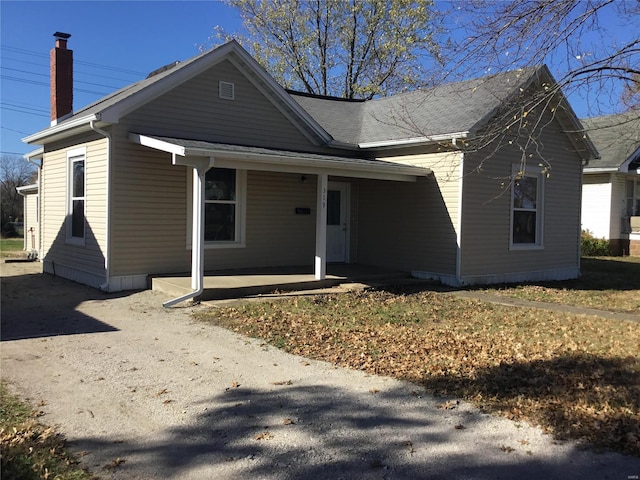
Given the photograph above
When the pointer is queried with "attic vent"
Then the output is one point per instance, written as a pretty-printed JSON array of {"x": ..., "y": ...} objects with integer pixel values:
[{"x": 226, "y": 90}]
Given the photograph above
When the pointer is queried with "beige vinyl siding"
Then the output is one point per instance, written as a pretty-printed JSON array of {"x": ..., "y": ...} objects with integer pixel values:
[
  {"x": 486, "y": 210},
  {"x": 31, "y": 221},
  {"x": 411, "y": 226},
  {"x": 194, "y": 111},
  {"x": 88, "y": 258},
  {"x": 618, "y": 206},
  {"x": 150, "y": 222},
  {"x": 275, "y": 234},
  {"x": 148, "y": 212},
  {"x": 596, "y": 204}
]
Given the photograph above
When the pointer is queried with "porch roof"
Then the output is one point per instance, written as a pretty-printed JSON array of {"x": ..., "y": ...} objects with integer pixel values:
[{"x": 260, "y": 158}]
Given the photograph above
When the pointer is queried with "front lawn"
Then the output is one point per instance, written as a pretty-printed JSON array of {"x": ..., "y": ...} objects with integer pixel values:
[
  {"x": 11, "y": 247},
  {"x": 30, "y": 450},
  {"x": 606, "y": 283},
  {"x": 576, "y": 376}
]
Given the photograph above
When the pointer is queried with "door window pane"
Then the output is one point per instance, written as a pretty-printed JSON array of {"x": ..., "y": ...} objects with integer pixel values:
[{"x": 333, "y": 207}]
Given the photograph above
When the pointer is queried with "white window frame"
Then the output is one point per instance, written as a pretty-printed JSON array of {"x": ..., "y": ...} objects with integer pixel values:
[
  {"x": 240, "y": 203},
  {"x": 76, "y": 155},
  {"x": 516, "y": 173},
  {"x": 634, "y": 199}
]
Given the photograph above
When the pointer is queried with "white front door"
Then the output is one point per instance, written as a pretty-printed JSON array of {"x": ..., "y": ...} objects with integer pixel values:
[{"x": 337, "y": 222}]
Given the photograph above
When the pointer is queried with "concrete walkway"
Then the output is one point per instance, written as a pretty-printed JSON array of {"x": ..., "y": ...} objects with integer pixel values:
[{"x": 556, "y": 307}]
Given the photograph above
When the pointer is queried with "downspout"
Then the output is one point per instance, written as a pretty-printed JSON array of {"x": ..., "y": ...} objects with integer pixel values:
[
  {"x": 200, "y": 168},
  {"x": 459, "y": 222},
  {"x": 107, "y": 249}
]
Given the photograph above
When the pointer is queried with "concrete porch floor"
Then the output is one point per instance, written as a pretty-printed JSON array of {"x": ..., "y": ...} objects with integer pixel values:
[{"x": 227, "y": 284}]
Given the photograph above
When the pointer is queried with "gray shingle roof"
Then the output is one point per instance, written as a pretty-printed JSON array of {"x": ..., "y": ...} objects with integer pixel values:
[
  {"x": 442, "y": 110},
  {"x": 615, "y": 136}
]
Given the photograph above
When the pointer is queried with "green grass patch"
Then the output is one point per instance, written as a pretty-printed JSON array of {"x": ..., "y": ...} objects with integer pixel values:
[
  {"x": 605, "y": 283},
  {"x": 29, "y": 449},
  {"x": 576, "y": 376},
  {"x": 11, "y": 247}
]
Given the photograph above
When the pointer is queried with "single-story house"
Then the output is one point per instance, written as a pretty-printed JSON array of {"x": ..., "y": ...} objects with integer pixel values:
[
  {"x": 209, "y": 164},
  {"x": 611, "y": 184},
  {"x": 31, "y": 218}
]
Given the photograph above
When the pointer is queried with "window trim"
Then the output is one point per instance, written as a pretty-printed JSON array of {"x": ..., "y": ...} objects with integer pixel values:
[
  {"x": 75, "y": 155},
  {"x": 240, "y": 203},
  {"x": 517, "y": 172}
]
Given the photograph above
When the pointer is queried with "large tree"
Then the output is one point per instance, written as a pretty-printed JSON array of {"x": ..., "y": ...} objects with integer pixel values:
[
  {"x": 591, "y": 46},
  {"x": 346, "y": 48},
  {"x": 15, "y": 171}
]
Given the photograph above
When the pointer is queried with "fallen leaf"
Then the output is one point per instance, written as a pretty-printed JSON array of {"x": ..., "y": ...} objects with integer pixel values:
[
  {"x": 283, "y": 382},
  {"x": 115, "y": 463}
]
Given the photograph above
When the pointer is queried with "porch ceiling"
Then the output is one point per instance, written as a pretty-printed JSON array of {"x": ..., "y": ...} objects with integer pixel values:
[{"x": 258, "y": 158}]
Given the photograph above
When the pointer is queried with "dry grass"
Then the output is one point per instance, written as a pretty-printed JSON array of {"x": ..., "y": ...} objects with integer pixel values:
[
  {"x": 576, "y": 376},
  {"x": 606, "y": 283},
  {"x": 30, "y": 450}
]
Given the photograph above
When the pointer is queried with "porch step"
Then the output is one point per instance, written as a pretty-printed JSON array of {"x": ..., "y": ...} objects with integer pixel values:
[{"x": 242, "y": 283}]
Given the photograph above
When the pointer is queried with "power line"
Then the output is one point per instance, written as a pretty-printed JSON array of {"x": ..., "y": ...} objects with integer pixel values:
[
  {"x": 79, "y": 62},
  {"x": 45, "y": 75},
  {"x": 45, "y": 84},
  {"x": 76, "y": 71}
]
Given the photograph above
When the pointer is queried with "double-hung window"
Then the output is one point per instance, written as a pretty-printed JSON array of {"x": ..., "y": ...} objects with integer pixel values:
[
  {"x": 223, "y": 207},
  {"x": 76, "y": 196},
  {"x": 526, "y": 209}
]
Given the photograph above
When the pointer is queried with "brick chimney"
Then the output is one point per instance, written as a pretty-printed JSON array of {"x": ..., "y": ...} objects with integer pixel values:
[{"x": 61, "y": 78}]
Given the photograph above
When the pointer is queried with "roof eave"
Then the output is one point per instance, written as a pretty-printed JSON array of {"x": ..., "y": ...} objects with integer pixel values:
[
  {"x": 588, "y": 170},
  {"x": 61, "y": 130},
  {"x": 305, "y": 161},
  {"x": 414, "y": 141}
]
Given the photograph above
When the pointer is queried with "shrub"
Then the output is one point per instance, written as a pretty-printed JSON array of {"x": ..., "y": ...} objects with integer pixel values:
[{"x": 594, "y": 247}]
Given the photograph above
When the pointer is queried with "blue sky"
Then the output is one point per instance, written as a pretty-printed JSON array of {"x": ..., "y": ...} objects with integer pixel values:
[{"x": 115, "y": 43}]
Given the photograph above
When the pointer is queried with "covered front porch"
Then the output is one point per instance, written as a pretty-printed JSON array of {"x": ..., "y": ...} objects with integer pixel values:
[
  {"x": 244, "y": 283},
  {"x": 266, "y": 226}
]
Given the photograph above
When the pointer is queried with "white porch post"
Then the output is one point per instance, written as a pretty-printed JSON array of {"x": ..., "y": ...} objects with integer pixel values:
[
  {"x": 197, "y": 234},
  {"x": 200, "y": 167},
  {"x": 321, "y": 227}
]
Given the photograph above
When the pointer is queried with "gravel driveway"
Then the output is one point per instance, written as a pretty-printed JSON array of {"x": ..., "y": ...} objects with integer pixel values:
[{"x": 145, "y": 392}]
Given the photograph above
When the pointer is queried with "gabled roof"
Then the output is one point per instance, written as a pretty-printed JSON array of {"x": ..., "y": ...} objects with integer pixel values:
[
  {"x": 617, "y": 138},
  {"x": 443, "y": 113},
  {"x": 111, "y": 108},
  {"x": 446, "y": 111}
]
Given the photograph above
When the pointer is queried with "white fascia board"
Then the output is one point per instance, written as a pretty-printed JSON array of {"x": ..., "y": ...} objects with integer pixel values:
[
  {"x": 26, "y": 189},
  {"x": 302, "y": 114},
  {"x": 157, "y": 144},
  {"x": 304, "y": 161},
  {"x": 314, "y": 170},
  {"x": 413, "y": 141},
  {"x": 60, "y": 128},
  {"x": 299, "y": 163},
  {"x": 37, "y": 154},
  {"x": 588, "y": 170}
]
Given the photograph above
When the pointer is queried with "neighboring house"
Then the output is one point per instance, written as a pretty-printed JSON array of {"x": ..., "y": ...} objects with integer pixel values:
[
  {"x": 212, "y": 157},
  {"x": 31, "y": 216},
  {"x": 611, "y": 184}
]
